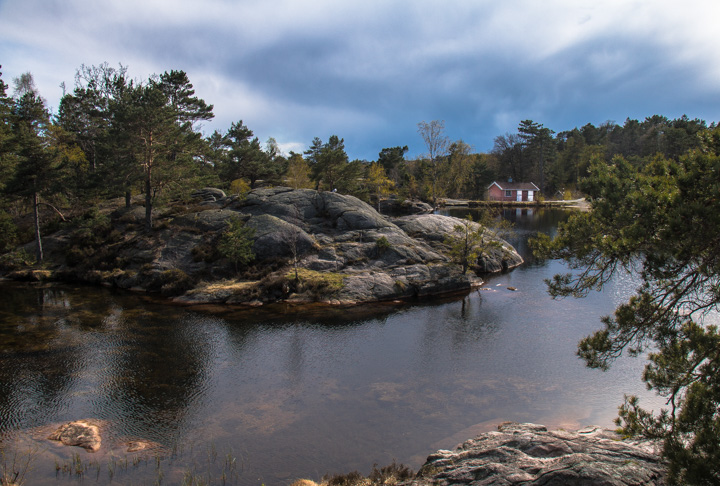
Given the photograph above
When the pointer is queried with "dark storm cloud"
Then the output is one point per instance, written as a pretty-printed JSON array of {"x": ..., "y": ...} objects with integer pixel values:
[{"x": 370, "y": 71}]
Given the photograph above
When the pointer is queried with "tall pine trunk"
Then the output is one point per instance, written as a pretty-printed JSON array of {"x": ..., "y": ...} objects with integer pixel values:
[
  {"x": 148, "y": 202},
  {"x": 36, "y": 217},
  {"x": 149, "y": 161}
]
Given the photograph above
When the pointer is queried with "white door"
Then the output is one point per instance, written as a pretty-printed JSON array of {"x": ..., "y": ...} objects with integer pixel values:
[{"x": 519, "y": 196}]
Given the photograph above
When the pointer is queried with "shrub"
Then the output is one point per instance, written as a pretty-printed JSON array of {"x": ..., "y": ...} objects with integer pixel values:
[
  {"x": 382, "y": 245},
  {"x": 175, "y": 282},
  {"x": 239, "y": 187},
  {"x": 387, "y": 475},
  {"x": 92, "y": 228},
  {"x": 16, "y": 260},
  {"x": 75, "y": 255},
  {"x": 236, "y": 243},
  {"x": 390, "y": 474}
]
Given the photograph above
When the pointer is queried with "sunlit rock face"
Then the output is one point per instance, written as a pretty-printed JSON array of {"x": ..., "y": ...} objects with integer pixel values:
[{"x": 529, "y": 454}]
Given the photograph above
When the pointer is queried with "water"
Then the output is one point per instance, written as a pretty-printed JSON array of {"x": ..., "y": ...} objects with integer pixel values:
[{"x": 291, "y": 393}]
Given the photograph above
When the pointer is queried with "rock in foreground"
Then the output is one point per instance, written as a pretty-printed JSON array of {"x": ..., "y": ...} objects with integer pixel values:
[
  {"x": 529, "y": 454},
  {"x": 81, "y": 433}
]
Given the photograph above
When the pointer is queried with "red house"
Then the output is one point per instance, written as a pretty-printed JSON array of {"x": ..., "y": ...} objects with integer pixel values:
[{"x": 512, "y": 191}]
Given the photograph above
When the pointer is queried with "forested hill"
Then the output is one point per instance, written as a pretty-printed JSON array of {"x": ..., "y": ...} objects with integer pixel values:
[{"x": 117, "y": 137}]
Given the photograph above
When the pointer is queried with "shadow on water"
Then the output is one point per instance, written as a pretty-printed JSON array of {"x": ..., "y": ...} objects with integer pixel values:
[{"x": 299, "y": 392}]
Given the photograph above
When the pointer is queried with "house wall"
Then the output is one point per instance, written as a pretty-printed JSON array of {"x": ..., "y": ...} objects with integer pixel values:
[
  {"x": 497, "y": 194},
  {"x": 494, "y": 193}
]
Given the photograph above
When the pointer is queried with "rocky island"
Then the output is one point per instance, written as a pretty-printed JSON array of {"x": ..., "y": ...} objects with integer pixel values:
[{"x": 307, "y": 246}]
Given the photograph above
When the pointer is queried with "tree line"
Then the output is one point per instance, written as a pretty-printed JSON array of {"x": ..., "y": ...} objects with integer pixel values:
[{"x": 113, "y": 136}]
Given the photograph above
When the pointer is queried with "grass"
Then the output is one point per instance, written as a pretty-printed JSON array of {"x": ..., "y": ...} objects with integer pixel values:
[
  {"x": 389, "y": 475},
  {"x": 15, "y": 466},
  {"x": 212, "y": 467},
  {"x": 319, "y": 281},
  {"x": 220, "y": 285},
  {"x": 206, "y": 467}
]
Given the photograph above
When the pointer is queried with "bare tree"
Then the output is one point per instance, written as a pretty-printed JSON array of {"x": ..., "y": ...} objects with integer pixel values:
[
  {"x": 437, "y": 143},
  {"x": 24, "y": 84}
]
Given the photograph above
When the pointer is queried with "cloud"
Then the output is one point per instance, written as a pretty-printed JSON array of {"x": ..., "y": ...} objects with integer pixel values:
[{"x": 370, "y": 71}]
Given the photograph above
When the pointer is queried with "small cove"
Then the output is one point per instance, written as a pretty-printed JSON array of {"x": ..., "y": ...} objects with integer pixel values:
[{"x": 299, "y": 394}]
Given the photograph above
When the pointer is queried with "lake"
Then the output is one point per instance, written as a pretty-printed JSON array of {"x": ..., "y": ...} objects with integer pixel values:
[{"x": 270, "y": 395}]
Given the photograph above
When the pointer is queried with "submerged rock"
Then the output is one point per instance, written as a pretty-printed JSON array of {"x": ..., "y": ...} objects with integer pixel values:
[{"x": 529, "y": 454}]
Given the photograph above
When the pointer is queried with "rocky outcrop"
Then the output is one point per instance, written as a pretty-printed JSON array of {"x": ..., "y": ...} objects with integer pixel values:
[
  {"x": 349, "y": 253},
  {"x": 529, "y": 454},
  {"x": 397, "y": 207},
  {"x": 209, "y": 194},
  {"x": 434, "y": 229}
]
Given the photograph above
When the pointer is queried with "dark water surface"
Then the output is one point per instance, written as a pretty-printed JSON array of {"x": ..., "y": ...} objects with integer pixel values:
[{"x": 288, "y": 394}]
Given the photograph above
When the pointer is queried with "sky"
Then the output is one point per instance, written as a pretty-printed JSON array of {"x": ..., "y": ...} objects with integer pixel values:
[{"x": 369, "y": 71}]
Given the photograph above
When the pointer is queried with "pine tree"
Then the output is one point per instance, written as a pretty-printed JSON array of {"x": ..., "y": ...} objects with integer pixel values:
[
  {"x": 37, "y": 160},
  {"x": 659, "y": 221}
]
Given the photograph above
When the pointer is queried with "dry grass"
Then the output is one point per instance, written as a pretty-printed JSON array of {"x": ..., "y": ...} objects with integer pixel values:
[
  {"x": 227, "y": 285},
  {"x": 389, "y": 475},
  {"x": 321, "y": 281}
]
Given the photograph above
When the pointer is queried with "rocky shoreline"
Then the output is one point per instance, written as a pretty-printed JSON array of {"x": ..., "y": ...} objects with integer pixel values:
[
  {"x": 529, "y": 455},
  {"x": 516, "y": 454},
  {"x": 346, "y": 253}
]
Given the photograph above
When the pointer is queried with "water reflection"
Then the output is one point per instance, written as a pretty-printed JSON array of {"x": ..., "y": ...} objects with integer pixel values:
[
  {"x": 302, "y": 393},
  {"x": 527, "y": 222}
]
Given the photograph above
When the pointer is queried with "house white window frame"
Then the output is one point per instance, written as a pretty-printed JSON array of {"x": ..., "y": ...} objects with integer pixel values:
[{"x": 508, "y": 193}]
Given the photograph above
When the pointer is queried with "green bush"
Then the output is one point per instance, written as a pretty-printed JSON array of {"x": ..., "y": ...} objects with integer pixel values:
[
  {"x": 236, "y": 243},
  {"x": 16, "y": 260},
  {"x": 92, "y": 228},
  {"x": 382, "y": 245}
]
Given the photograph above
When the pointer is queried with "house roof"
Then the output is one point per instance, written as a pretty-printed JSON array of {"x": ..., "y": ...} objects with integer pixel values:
[{"x": 515, "y": 186}]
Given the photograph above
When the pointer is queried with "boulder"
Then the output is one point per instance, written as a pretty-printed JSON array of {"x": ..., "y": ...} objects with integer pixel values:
[
  {"x": 435, "y": 228},
  {"x": 399, "y": 207},
  {"x": 315, "y": 211},
  {"x": 529, "y": 454},
  {"x": 209, "y": 194},
  {"x": 208, "y": 220},
  {"x": 277, "y": 238},
  {"x": 81, "y": 433}
]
